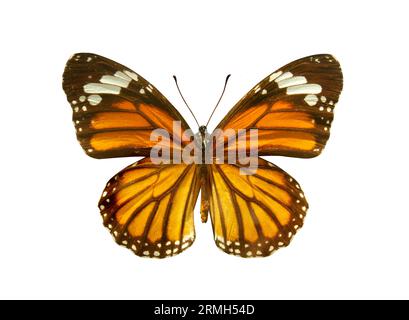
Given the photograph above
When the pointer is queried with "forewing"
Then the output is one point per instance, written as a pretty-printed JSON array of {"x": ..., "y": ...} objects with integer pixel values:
[
  {"x": 292, "y": 108},
  {"x": 115, "y": 109}
]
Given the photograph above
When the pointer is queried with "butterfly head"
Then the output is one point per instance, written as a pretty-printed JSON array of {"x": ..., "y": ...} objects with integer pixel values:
[
  {"x": 203, "y": 130},
  {"x": 203, "y": 135}
]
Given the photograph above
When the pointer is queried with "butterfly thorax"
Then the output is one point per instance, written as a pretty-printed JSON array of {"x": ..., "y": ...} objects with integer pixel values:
[{"x": 203, "y": 137}]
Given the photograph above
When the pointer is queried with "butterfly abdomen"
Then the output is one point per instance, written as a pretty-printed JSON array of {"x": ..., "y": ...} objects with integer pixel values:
[{"x": 205, "y": 200}]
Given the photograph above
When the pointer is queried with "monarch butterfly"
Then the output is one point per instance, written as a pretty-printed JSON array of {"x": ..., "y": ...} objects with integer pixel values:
[{"x": 148, "y": 207}]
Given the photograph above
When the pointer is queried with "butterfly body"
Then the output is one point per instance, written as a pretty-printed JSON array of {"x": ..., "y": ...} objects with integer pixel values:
[
  {"x": 148, "y": 206},
  {"x": 203, "y": 144}
]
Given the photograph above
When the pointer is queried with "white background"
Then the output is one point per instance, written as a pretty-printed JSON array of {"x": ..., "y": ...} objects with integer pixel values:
[{"x": 355, "y": 240}]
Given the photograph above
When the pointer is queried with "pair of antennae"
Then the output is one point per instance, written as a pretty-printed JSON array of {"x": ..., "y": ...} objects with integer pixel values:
[{"x": 214, "y": 109}]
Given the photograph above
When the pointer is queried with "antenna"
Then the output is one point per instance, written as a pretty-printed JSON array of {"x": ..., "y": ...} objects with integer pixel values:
[
  {"x": 176, "y": 81},
  {"x": 224, "y": 89}
]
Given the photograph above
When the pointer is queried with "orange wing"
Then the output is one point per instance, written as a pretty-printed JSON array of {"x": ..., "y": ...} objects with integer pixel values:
[
  {"x": 149, "y": 208},
  {"x": 115, "y": 109},
  {"x": 253, "y": 215},
  {"x": 292, "y": 108}
]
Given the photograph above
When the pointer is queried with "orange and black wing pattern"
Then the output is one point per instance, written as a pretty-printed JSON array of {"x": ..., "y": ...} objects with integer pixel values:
[
  {"x": 115, "y": 109},
  {"x": 254, "y": 215},
  {"x": 148, "y": 207},
  {"x": 292, "y": 108}
]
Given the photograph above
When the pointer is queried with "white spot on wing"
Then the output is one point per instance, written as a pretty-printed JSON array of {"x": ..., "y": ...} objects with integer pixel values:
[
  {"x": 275, "y": 75},
  {"x": 94, "y": 99},
  {"x": 284, "y": 76},
  {"x": 115, "y": 81},
  {"x": 120, "y": 74},
  {"x": 132, "y": 75},
  {"x": 309, "y": 88},
  {"x": 293, "y": 81},
  {"x": 311, "y": 99},
  {"x": 101, "y": 88}
]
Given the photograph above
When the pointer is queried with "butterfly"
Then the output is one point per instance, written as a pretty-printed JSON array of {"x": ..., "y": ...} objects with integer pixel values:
[{"x": 148, "y": 206}]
